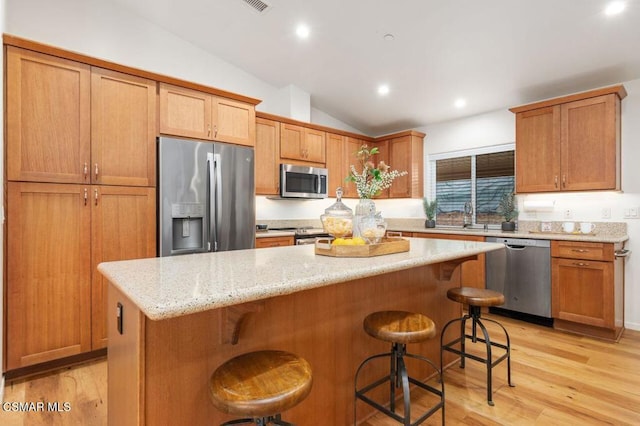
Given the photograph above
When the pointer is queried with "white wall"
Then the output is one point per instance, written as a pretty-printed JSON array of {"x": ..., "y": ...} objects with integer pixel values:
[{"x": 498, "y": 127}]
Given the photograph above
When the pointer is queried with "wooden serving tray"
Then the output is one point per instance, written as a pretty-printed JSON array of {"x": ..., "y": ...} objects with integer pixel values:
[{"x": 388, "y": 245}]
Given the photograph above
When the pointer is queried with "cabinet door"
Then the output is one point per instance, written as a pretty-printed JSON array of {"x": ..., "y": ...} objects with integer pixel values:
[
  {"x": 590, "y": 143},
  {"x": 48, "y": 272},
  {"x": 314, "y": 146},
  {"x": 185, "y": 112},
  {"x": 48, "y": 118},
  {"x": 351, "y": 147},
  {"x": 583, "y": 291},
  {"x": 336, "y": 163},
  {"x": 123, "y": 129},
  {"x": 267, "y": 157},
  {"x": 123, "y": 226},
  {"x": 233, "y": 121},
  {"x": 291, "y": 137},
  {"x": 405, "y": 154},
  {"x": 538, "y": 150}
]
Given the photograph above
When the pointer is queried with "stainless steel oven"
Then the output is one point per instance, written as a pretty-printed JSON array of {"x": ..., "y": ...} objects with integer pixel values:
[{"x": 304, "y": 235}]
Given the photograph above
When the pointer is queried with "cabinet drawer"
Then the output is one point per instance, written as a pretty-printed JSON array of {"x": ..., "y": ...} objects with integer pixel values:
[
  {"x": 582, "y": 250},
  {"x": 273, "y": 242}
]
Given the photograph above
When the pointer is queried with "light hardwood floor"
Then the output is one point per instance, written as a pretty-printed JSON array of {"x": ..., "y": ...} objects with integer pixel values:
[{"x": 560, "y": 379}]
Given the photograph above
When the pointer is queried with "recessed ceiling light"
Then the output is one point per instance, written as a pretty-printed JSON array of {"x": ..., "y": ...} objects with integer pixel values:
[
  {"x": 614, "y": 8},
  {"x": 460, "y": 103},
  {"x": 388, "y": 37},
  {"x": 303, "y": 31},
  {"x": 383, "y": 89}
]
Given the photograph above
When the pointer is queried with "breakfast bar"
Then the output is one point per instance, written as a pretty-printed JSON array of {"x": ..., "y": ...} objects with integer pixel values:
[{"x": 173, "y": 320}]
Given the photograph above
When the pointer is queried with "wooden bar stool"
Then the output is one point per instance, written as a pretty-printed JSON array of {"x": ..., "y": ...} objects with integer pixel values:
[
  {"x": 399, "y": 328},
  {"x": 260, "y": 385},
  {"x": 477, "y": 298}
]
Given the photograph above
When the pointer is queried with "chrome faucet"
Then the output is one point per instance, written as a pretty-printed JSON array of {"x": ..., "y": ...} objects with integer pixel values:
[{"x": 467, "y": 218}]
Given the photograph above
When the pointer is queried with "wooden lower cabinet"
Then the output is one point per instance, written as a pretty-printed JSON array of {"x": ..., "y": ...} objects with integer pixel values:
[
  {"x": 123, "y": 227},
  {"x": 264, "y": 242},
  {"x": 56, "y": 236},
  {"x": 587, "y": 284},
  {"x": 473, "y": 271}
]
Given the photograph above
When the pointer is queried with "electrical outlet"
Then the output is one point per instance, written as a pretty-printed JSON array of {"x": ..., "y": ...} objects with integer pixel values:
[
  {"x": 606, "y": 213},
  {"x": 568, "y": 214},
  {"x": 633, "y": 212}
]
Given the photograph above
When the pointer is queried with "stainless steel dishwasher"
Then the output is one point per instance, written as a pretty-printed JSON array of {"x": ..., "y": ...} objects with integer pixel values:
[{"x": 522, "y": 272}]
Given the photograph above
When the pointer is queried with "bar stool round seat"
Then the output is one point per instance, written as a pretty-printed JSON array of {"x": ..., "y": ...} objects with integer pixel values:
[
  {"x": 399, "y": 328},
  {"x": 260, "y": 385},
  {"x": 476, "y": 299},
  {"x": 475, "y": 296}
]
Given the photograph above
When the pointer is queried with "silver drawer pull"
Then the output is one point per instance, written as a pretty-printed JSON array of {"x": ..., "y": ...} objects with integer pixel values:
[
  {"x": 580, "y": 250},
  {"x": 580, "y": 264}
]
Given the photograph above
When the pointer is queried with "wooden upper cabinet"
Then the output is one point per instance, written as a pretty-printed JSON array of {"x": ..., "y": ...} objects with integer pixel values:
[
  {"x": 335, "y": 162},
  {"x": 570, "y": 143},
  {"x": 591, "y": 144},
  {"x": 185, "y": 112},
  {"x": 302, "y": 143},
  {"x": 48, "y": 272},
  {"x": 123, "y": 129},
  {"x": 48, "y": 118},
  {"x": 267, "y": 157},
  {"x": 123, "y": 227},
  {"x": 538, "y": 150},
  {"x": 194, "y": 114},
  {"x": 406, "y": 154},
  {"x": 314, "y": 145},
  {"x": 351, "y": 147},
  {"x": 233, "y": 121}
]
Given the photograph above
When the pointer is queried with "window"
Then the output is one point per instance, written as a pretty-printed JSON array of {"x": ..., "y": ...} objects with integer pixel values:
[{"x": 473, "y": 179}]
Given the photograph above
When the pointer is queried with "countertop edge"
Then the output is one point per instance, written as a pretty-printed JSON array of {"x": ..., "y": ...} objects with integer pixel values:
[
  {"x": 496, "y": 233},
  {"x": 334, "y": 276}
]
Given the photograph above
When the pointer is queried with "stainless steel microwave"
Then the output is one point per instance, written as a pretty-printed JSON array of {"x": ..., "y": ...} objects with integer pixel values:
[{"x": 303, "y": 182}]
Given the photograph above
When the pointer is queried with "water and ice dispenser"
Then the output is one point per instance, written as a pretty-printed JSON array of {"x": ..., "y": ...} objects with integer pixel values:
[{"x": 188, "y": 227}]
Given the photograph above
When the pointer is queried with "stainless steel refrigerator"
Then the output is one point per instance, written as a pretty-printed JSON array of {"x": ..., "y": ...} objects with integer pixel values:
[{"x": 206, "y": 197}]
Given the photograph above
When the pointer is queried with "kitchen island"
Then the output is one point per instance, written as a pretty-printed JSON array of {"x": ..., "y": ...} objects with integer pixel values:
[{"x": 173, "y": 320}]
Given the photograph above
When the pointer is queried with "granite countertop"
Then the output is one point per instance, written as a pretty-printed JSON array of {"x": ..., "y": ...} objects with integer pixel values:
[
  {"x": 604, "y": 233},
  {"x": 167, "y": 287}
]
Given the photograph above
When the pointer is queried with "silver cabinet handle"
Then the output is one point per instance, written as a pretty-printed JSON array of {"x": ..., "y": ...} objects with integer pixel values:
[
  {"x": 95, "y": 194},
  {"x": 555, "y": 181},
  {"x": 564, "y": 181},
  {"x": 86, "y": 196},
  {"x": 208, "y": 130},
  {"x": 85, "y": 170},
  {"x": 96, "y": 171}
]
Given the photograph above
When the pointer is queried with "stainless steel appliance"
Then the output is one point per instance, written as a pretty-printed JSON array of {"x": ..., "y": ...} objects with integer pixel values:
[
  {"x": 304, "y": 235},
  {"x": 206, "y": 197},
  {"x": 303, "y": 182},
  {"x": 522, "y": 272}
]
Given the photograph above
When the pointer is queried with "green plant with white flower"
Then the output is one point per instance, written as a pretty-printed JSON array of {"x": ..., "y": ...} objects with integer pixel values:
[{"x": 372, "y": 180}]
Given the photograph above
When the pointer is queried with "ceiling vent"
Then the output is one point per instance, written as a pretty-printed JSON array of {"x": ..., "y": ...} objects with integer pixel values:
[{"x": 258, "y": 6}]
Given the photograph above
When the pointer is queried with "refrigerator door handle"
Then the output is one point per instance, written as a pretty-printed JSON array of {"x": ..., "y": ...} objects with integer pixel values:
[
  {"x": 217, "y": 196},
  {"x": 211, "y": 206}
]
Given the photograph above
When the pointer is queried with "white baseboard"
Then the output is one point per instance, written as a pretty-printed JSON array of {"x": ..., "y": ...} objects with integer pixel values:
[{"x": 632, "y": 326}]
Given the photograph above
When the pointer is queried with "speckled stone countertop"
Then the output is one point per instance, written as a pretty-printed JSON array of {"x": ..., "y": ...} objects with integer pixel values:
[
  {"x": 605, "y": 232},
  {"x": 167, "y": 287}
]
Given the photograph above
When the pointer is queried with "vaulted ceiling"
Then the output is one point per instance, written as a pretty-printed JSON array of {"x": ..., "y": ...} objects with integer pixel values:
[{"x": 493, "y": 53}]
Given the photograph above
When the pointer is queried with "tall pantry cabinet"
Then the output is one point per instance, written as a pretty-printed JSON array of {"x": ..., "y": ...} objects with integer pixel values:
[{"x": 80, "y": 145}]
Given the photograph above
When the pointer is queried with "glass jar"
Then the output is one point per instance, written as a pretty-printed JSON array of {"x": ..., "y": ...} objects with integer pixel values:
[{"x": 337, "y": 220}]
